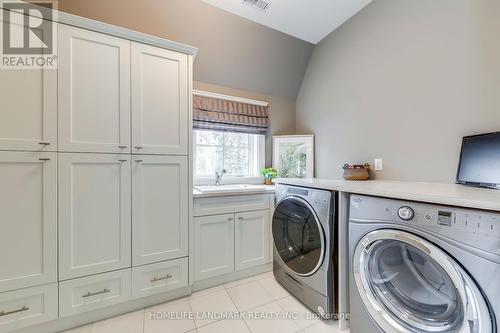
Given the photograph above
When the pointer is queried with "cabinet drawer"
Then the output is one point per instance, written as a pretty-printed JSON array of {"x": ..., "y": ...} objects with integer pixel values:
[
  {"x": 26, "y": 307},
  {"x": 94, "y": 292},
  {"x": 159, "y": 278},
  {"x": 231, "y": 204}
]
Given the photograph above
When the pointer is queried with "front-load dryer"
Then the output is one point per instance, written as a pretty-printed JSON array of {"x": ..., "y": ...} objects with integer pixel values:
[
  {"x": 304, "y": 255},
  {"x": 418, "y": 268}
]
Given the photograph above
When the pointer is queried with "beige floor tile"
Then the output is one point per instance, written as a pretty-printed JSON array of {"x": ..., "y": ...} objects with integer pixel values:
[
  {"x": 304, "y": 317},
  {"x": 81, "y": 329},
  {"x": 129, "y": 323},
  {"x": 276, "y": 323},
  {"x": 225, "y": 326},
  {"x": 156, "y": 322},
  {"x": 239, "y": 282},
  {"x": 249, "y": 296},
  {"x": 206, "y": 291},
  {"x": 216, "y": 303},
  {"x": 274, "y": 288},
  {"x": 265, "y": 275},
  {"x": 325, "y": 326}
]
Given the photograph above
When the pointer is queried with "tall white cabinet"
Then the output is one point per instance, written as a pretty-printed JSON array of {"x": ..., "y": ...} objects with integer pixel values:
[
  {"x": 160, "y": 101},
  {"x": 94, "y": 214},
  {"x": 94, "y": 176},
  {"x": 94, "y": 92}
]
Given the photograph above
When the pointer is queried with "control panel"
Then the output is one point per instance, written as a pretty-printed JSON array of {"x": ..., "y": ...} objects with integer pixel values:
[{"x": 478, "y": 228}]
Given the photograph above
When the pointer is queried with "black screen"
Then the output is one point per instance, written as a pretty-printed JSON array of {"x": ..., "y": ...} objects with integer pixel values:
[{"x": 480, "y": 160}]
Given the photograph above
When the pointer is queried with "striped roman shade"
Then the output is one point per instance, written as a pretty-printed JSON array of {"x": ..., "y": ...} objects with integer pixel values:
[{"x": 224, "y": 115}]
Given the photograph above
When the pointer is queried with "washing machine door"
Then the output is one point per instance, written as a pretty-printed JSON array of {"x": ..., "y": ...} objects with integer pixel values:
[
  {"x": 409, "y": 285},
  {"x": 298, "y": 236}
]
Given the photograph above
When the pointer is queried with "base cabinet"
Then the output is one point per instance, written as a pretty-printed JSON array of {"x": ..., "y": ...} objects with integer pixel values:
[
  {"x": 234, "y": 239},
  {"x": 94, "y": 292},
  {"x": 159, "y": 278},
  {"x": 214, "y": 246},
  {"x": 251, "y": 239},
  {"x": 27, "y": 307}
]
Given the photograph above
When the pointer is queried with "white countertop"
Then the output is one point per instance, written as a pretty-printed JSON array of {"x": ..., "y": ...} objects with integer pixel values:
[
  {"x": 445, "y": 194},
  {"x": 222, "y": 191}
]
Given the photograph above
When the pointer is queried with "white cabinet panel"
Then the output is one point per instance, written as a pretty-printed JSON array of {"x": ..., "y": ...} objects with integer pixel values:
[
  {"x": 214, "y": 246},
  {"x": 94, "y": 214},
  {"x": 26, "y": 307},
  {"x": 94, "y": 91},
  {"x": 28, "y": 116},
  {"x": 94, "y": 292},
  {"x": 251, "y": 239},
  {"x": 28, "y": 204},
  {"x": 159, "y": 278},
  {"x": 229, "y": 204},
  {"x": 159, "y": 101},
  {"x": 160, "y": 208}
]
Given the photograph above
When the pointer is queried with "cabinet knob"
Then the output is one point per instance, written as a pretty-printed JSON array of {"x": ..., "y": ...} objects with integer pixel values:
[
  {"x": 241, "y": 218},
  {"x": 44, "y": 143},
  {"x": 230, "y": 219},
  {"x": 138, "y": 147},
  {"x": 122, "y": 147},
  {"x": 139, "y": 161}
]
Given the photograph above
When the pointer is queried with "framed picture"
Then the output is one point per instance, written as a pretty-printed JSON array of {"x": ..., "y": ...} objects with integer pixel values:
[{"x": 293, "y": 156}]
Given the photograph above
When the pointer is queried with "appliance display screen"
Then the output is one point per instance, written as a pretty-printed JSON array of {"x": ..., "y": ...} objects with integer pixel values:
[{"x": 480, "y": 160}]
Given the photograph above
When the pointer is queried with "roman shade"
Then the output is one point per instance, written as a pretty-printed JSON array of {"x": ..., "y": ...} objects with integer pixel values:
[{"x": 218, "y": 114}]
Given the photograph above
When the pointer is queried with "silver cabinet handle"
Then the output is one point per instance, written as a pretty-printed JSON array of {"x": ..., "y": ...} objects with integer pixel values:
[
  {"x": 166, "y": 277},
  {"x": 6, "y": 313},
  {"x": 122, "y": 147},
  {"x": 44, "y": 159},
  {"x": 122, "y": 161},
  {"x": 139, "y": 161},
  {"x": 230, "y": 219},
  {"x": 241, "y": 218},
  {"x": 89, "y": 294},
  {"x": 139, "y": 147},
  {"x": 44, "y": 143}
]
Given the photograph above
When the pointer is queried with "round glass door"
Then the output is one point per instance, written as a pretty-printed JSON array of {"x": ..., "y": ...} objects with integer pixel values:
[
  {"x": 409, "y": 285},
  {"x": 298, "y": 236}
]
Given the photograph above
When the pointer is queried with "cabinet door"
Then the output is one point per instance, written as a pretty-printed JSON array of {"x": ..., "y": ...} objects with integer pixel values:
[
  {"x": 251, "y": 239},
  {"x": 28, "y": 115},
  {"x": 94, "y": 92},
  {"x": 160, "y": 208},
  {"x": 214, "y": 246},
  {"x": 159, "y": 101},
  {"x": 28, "y": 204},
  {"x": 94, "y": 214}
]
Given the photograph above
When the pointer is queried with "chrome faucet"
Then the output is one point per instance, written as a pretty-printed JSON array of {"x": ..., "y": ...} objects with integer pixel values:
[{"x": 218, "y": 176}]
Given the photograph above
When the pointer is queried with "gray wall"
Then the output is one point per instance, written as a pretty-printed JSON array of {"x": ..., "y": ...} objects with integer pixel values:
[
  {"x": 233, "y": 51},
  {"x": 404, "y": 80}
]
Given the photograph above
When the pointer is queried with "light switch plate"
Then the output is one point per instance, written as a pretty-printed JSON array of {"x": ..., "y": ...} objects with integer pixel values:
[{"x": 379, "y": 166}]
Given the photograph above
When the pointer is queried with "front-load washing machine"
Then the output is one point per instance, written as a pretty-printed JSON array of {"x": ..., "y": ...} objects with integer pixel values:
[
  {"x": 305, "y": 256},
  {"x": 419, "y": 267}
]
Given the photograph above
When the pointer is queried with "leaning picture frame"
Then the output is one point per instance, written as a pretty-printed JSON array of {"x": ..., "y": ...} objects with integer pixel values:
[{"x": 293, "y": 156}]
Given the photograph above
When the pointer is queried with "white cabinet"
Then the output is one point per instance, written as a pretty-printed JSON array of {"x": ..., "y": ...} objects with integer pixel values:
[
  {"x": 28, "y": 115},
  {"x": 160, "y": 101},
  {"x": 159, "y": 278},
  {"x": 28, "y": 204},
  {"x": 94, "y": 91},
  {"x": 251, "y": 239},
  {"x": 94, "y": 214},
  {"x": 94, "y": 292},
  {"x": 213, "y": 246},
  {"x": 26, "y": 307},
  {"x": 160, "y": 204}
]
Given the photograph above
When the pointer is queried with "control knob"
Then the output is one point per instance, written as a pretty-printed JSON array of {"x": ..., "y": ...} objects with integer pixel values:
[{"x": 406, "y": 213}]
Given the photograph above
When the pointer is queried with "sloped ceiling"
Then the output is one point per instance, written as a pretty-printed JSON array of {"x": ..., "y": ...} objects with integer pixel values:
[{"x": 233, "y": 51}]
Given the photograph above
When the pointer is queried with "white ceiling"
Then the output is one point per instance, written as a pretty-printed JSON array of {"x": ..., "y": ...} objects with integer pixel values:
[{"x": 309, "y": 20}]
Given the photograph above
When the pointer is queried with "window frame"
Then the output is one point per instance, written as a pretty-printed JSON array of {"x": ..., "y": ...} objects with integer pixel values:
[{"x": 257, "y": 159}]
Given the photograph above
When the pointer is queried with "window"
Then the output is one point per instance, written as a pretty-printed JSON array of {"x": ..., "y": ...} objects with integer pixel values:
[{"x": 241, "y": 154}]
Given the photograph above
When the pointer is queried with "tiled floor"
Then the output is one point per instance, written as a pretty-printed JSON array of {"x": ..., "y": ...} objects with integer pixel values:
[{"x": 257, "y": 305}]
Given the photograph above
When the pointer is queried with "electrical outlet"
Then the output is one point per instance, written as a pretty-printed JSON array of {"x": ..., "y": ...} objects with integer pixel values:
[{"x": 379, "y": 166}]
